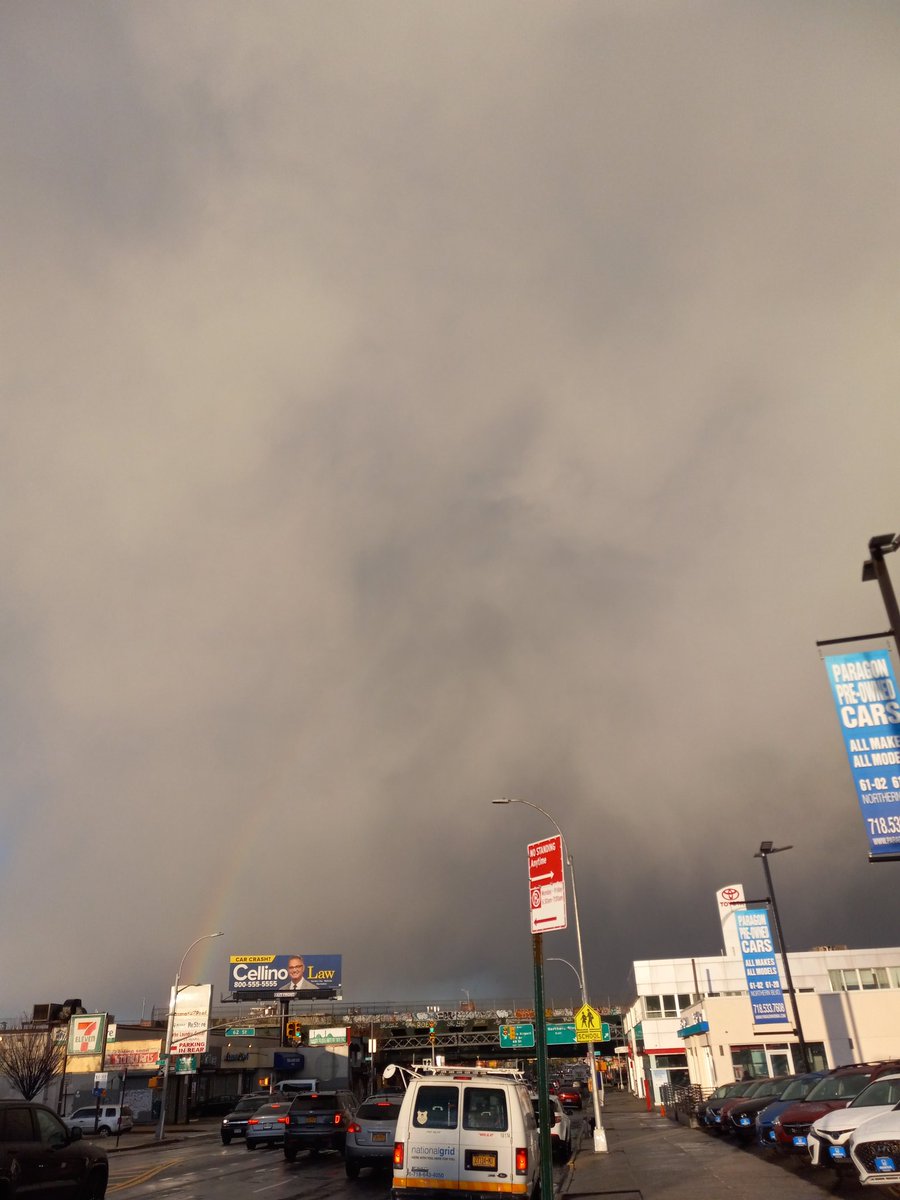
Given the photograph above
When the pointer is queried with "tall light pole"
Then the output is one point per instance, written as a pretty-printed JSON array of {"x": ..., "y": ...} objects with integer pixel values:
[
  {"x": 765, "y": 849},
  {"x": 170, "y": 1025},
  {"x": 874, "y": 568},
  {"x": 599, "y": 1132}
]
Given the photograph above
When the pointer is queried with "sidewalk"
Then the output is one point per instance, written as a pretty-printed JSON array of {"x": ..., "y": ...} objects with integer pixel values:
[{"x": 653, "y": 1158}]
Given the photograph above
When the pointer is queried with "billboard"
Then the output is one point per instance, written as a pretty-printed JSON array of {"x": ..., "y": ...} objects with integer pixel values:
[
  {"x": 760, "y": 967},
  {"x": 865, "y": 695},
  {"x": 190, "y": 1024},
  {"x": 729, "y": 899},
  {"x": 285, "y": 976}
]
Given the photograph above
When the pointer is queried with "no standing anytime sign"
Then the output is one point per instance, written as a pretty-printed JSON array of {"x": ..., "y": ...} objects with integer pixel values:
[{"x": 547, "y": 885}]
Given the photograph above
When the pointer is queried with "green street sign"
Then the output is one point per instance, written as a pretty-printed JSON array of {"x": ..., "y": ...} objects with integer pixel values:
[
  {"x": 561, "y": 1035},
  {"x": 604, "y": 1031},
  {"x": 514, "y": 1036},
  {"x": 241, "y": 1031}
]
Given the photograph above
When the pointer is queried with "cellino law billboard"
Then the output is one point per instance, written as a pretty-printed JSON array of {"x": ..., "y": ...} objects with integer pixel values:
[{"x": 286, "y": 976}]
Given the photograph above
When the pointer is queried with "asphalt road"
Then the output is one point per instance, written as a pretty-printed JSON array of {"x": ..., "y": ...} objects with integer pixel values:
[{"x": 204, "y": 1169}]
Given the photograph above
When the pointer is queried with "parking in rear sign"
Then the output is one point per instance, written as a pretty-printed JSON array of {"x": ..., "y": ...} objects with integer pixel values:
[{"x": 546, "y": 885}]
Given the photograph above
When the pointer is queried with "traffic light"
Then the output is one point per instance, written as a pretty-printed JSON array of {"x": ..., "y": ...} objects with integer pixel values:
[
  {"x": 431, "y": 1034},
  {"x": 293, "y": 1030}
]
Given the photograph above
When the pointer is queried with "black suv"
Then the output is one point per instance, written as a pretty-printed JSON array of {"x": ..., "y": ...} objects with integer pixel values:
[
  {"x": 40, "y": 1157},
  {"x": 318, "y": 1121},
  {"x": 234, "y": 1124}
]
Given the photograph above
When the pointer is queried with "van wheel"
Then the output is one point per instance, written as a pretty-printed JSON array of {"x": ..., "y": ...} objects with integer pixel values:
[
  {"x": 104, "y": 1131},
  {"x": 352, "y": 1169}
]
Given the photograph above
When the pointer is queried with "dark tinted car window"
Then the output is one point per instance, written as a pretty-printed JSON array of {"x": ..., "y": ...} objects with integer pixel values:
[
  {"x": 250, "y": 1103},
  {"x": 485, "y": 1108},
  {"x": 15, "y": 1125},
  {"x": 51, "y": 1131},
  {"x": 379, "y": 1110},
  {"x": 436, "y": 1107}
]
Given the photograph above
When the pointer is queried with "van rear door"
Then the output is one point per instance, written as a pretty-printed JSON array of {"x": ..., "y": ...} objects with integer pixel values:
[
  {"x": 431, "y": 1155},
  {"x": 486, "y": 1145}
]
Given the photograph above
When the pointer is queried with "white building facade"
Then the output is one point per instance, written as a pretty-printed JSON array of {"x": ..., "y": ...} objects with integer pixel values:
[{"x": 692, "y": 1021}]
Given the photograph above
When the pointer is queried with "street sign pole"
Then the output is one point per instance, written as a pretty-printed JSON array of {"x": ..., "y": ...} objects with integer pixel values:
[{"x": 540, "y": 1037}]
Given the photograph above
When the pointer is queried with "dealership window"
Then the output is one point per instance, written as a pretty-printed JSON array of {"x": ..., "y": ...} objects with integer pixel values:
[
  {"x": 867, "y": 979},
  {"x": 668, "y": 1006},
  {"x": 653, "y": 1006}
]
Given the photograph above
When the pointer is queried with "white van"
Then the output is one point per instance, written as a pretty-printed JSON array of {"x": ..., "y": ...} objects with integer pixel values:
[
  {"x": 296, "y": 1087},
  {"x": 465, "y": 1131}
]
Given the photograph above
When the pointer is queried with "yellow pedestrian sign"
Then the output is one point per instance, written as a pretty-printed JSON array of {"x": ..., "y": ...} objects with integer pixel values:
[{"x": 587, "y": 1024}]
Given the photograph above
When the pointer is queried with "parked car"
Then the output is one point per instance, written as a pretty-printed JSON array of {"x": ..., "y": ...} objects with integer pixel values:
[
  {"x": 828, "y": 1136},
  {"x": 266, "y": 1126},
  {"x": 753, "y": 1089},
  {"x": 835, "y": 1091},
  {"x": 103, "y": 1120},
  {"x": 739, "y": 1090},
  {"x": 560, "y": 1127},
  {"x": 370, "y": 1135},
  {"x": 39, "y": 1153},
  {"x": 234, "y": 1123},
  {"x": 875, "y": 1149},
  {"x": 318, "y": 1121},
  {"x": 719, "y": 1094},
  {"x": 739, "y": 1114},
  {"x": 796, "y": 1090}
]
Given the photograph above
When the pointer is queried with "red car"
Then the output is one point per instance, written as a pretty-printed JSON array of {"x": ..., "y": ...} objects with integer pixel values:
[
  {"x": 834, "y": 1091},
  {"x": 568, "y": 1096}
]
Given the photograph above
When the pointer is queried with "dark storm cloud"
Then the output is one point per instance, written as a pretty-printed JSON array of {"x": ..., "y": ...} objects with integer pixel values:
[{"x": 413, "y": 405}]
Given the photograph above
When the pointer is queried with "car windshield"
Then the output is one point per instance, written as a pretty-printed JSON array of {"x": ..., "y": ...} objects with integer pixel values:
[
  {"x": 839, "y": 1087},
  {"x": 882, "y": 1091},
  {"x": 249, "y": 1104},
  {"x": 760, "y": 1089},
  {"x": 799, "y": 1089}
]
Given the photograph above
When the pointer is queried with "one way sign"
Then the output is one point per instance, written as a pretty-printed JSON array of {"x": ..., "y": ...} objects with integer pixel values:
[{"x": 546, "y": 885}]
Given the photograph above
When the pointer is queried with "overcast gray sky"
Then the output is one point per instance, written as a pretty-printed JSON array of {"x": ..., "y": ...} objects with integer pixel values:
[{"x": 407, "y": 404}]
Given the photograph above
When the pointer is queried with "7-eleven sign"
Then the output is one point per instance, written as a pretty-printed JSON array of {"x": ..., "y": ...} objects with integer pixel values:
[{"x": 87, "y": 1034}]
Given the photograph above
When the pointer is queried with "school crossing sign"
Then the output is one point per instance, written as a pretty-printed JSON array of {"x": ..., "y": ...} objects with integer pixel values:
[{"x": 588, "y": 1024}]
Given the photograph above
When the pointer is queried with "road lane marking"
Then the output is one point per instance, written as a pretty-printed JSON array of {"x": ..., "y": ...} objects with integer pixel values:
[{"x": 143, "y": 1176}]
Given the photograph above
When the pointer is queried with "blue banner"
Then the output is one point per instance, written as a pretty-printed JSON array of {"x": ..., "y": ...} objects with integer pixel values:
[
  {"x": 760, "y": 966},
  {"x": 865, "y": 695}
]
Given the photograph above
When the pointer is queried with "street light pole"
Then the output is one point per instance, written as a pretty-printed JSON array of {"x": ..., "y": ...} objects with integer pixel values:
[
  {"x": 170, "y": 1026},
  {"x": 599, "y": 1132},
  {"x": 765, "y": 849},
  {"x": 875, "y": 568}
]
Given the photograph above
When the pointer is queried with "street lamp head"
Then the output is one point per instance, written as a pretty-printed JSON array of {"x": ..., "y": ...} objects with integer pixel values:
[
  {"x": 770, "y": 848},
  {"x": 503, "y": 800},
  {"x": 885, "y": 542}
]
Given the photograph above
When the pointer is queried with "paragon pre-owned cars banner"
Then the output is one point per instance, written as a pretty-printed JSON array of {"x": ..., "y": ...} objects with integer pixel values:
[
  {"x": 865, "y": 694},
  {"x": 285, "y": 975},
  {"x": 760, "y": 966}
]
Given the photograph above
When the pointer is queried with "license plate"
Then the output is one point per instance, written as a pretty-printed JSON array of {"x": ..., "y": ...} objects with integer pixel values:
[
  {"x": 310, "y": 1120},
  {"x": 771, "y": 1135},
  {"x": 800, "y": 1140},
  {"x": 481, "y": 1160},
  {"x": 379, "y": 1137},
  {"x": 884, "y": 1164},
  {"x": 745, "y": 1120},
  {"x": 837, "y": 1151}
]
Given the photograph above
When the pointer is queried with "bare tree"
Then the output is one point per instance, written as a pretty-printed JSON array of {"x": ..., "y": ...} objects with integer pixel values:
[{"x": 30, "y": 1059}]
